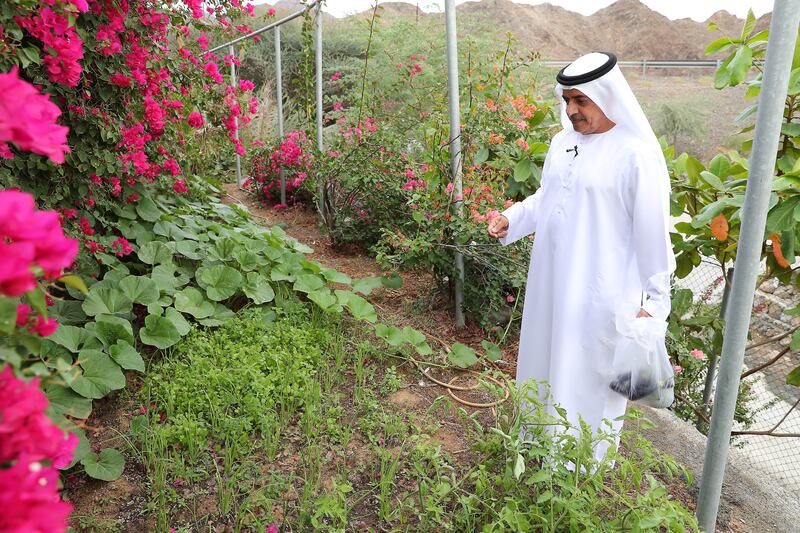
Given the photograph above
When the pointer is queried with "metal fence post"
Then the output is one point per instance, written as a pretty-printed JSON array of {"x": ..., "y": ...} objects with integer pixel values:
[
  {"x": 455, "y": 145},
  {"x": 235, "y": 119},
  {"x": 780, "y": 48},
  {"x": 713, "y": 358},
  {"x": 279, "y": 102},
  {"x": 318, "y": 68}
]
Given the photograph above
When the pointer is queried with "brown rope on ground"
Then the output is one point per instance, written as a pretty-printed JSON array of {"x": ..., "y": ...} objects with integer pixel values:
[{"x": 451, "y": 387}]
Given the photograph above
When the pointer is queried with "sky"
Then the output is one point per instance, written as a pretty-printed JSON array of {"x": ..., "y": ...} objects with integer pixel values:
[{"x": 698, "y": 10}]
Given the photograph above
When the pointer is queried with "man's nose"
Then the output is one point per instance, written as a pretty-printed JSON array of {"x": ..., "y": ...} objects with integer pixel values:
[{"x": 571, "y": 109}]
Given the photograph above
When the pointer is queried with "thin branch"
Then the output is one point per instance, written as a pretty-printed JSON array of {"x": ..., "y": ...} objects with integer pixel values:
[
  {"x": 771, "y": 432},
  {"x": 772, "y": 339},
  {"x": 765, "y": 365}
]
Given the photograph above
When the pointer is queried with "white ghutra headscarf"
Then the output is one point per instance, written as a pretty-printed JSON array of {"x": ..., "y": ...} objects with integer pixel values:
[{"x": 598, "y": 76}]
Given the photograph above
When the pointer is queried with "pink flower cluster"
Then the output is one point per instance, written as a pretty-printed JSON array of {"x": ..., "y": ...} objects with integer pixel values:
[
  {"x": 64, "y": 48},
  {"x": 293, "y": 155},
  {"x": 30, "y": 237},
  {"x": 195, "y": 119},
  {"x": 28, "y": 119},
  {"x": 34, "y": 448}
]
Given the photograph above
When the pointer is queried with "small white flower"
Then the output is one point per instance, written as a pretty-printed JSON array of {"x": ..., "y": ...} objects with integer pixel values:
[{"x": 35, "y": 467}]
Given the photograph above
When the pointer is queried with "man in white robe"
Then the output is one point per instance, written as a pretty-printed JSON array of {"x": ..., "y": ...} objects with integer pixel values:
[{"x": 601, "y": 219}]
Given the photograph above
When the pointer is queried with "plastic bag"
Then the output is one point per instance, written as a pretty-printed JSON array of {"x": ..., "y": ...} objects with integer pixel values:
[{"x": 641, "y": 370}]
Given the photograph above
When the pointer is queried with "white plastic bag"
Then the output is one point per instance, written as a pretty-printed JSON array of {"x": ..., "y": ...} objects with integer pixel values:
[{"x": 641, "y": 370}]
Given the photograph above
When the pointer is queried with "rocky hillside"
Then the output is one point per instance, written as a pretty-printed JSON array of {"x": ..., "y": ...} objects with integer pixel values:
[{"x": 627, "y": 27}]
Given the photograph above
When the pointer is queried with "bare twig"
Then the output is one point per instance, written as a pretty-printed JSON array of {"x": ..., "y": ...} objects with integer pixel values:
[{"x": 768, "y": 363}]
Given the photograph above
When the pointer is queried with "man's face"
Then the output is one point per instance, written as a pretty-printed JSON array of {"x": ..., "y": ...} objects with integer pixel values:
[{"x": 585, "y": 115}]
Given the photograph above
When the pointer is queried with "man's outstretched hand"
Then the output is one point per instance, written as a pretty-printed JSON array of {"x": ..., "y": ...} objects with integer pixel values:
[{"x": 498, "y": 227}]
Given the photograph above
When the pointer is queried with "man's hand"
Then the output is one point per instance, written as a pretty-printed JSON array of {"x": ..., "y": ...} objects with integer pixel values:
[
  {"x": 498, "y": 227},
  {"x": 643, "y": 314}
]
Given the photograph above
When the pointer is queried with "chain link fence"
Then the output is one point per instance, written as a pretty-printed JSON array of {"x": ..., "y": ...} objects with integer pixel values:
[{"x": 772, "y": 442}]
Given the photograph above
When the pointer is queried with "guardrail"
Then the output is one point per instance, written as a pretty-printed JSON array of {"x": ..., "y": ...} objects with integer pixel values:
[{"x": 644, "y": 64}]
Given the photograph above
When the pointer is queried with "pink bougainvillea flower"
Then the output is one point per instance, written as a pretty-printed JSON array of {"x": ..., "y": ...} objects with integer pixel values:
[
  {"x": 510, "y": 298},
  {"x": 677, "y": 368},
  {"x": 179, "y": 186},
  {"x": 698, "y": 354},
  {"x": 122, "y": 246},
  {"x": 16, "y": 277},
  {"x": 28, "y": 119},
  {"x": 195, "y": 119},
  {"x": 336, "y": 75},
  {"x": 23, "y": 310},
  {"x": 44, "y": 327},
  {"x": 120, "y": 80},
  {"x": 31, "y": 490}
]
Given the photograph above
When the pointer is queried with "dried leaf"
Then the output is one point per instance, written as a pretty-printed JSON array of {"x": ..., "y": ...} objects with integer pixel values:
[
  {"x": 776, "y": 250},
  {"x": 719, "y": 227}
]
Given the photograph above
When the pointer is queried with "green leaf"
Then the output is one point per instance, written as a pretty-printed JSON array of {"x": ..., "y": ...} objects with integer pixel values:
[
  {"x": 70, "y": 337},
  {"x": 740, "y": 64},
  {"x": 8, "y": 315},
  {"x": 159, "y": 332},
  {"x": 462, "y": 356},
  {"x": 110, "y": 329},
  {"x": 107, "y": 466},
  {"x": 258, "y": 288},
  {"x": 308, "y": 283},
  {"x": 361, "y": 309},
  {"x": 75, "y": 282},
  {"x": 324, "y": 299},
  {"x": 482, "y": 155},
  {"x": 219, "y": 281},
  {"x": 781, "y": 217},
  {"x": 366, "y": 285},
  {"x": 712, "y": 180},
  {"x": 394, "y": 281},
  {"x": 412, "y": 336},
  {"x": 792, "y": 129},
  {"x": 492, "y": 350},
  {"x": 189, "y": 249},
  {"x": 522, "y": 170},
  {"x": 178, "y": 320},
  {"x": 247, "y": 260},
  {"x": 147, "y": 209},
  {"x": 106, "y": 302},
  {"x": 334, "y": 276},
  {"x": 100, "y": 375},
  {"x": 749, "y": 25},
  {"x": 127, "y": 356},
  {"x": 154, "y": 253},
  {"x": 719, "y": 45},
  {"x": 139, "y": 289},
  {"x": 794, "y": 376},
  {"x": 164, "y": 276},
  {"x": 392, "y": 335},
  {"x": 795, "y": 343},
  {"x": 221, "y": 315},
  {"x": 192, "y": 301},
  {"x": 65, "y": 401},
  {"x": 519, "y": 469}
]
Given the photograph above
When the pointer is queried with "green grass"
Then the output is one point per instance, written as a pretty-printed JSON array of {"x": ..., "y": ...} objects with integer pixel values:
[{"x": 281, "y": 416}]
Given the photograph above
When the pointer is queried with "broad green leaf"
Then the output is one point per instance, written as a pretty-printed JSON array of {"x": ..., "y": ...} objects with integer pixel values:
[
  {"x": 107, "y": 466},
  {"x": 366, "y": 285},
  {"x": 392, "y": 282},
  {"x": 164, "y": 276},
  {"x": 139, "y": 289},
  {"x": 100, "y": 375},
  {"x": 65, "y": 401},
  {"x": 334, "y": 276},
  {"x": 522, "y": 170},
  {"x": 392, "y": 335},
  {"x": 719, "y": 45},
  {"x": 749, "y": 25},
  {"x": 147, "y": 209},
  {"x": 710, "y": 211},
  {"x": 325, "y": 300},
  {"x": 519, "y": 469},
  {"x": 219, "y": 281},
  {"x": 361, "y": 309},
  {"x": 462, "y": 356},
  {"x": 178, "y": 320},
  {"x": 308, "y": 283},
  {"x": 284, "y": 272},
  {"x": 106, "y": 302},
  {"x": 110, "y": 329},
  {"x": 781, "y": 217},
  {"x": 189, "y": 249},
  {"x": 159, "y": 332},
  {"x": 258, "y": 289},
  {"x": 492, "y": 351},
  {"x": 154, "y": 253},
  {"x": 795, "y": 343},
  {"x": 413, "y": 336},
  {"x": 482, "y": 155},
  {"x": 72, "y": 338},
  {"x": 68, "y": 312},
  {"x": 740, "y": 64},
  {"x": 794, "y": 377},
  {"x": 127, "y": 356},
  {"x": 247, "y": 260},
  {"x": 193, "y": 302},
  {"x": 221, "y": 315},
  {"x": 791, "y": 129},
  {"x": 713, "y": 180}
]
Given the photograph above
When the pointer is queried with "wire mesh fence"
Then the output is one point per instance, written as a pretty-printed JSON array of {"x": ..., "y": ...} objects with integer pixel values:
[{"x": 772, "y": 440}]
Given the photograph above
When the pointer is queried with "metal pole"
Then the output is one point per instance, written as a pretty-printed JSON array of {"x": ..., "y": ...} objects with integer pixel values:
[
  {"x": 780, "y": 48},
  {"x": 279, "y": 100},
  {"x": 235, "y": 119},
  {"x": 318, "y": 64},
  {"x": 455, "y": 144},
  {"x": 713, "y": 358}
]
